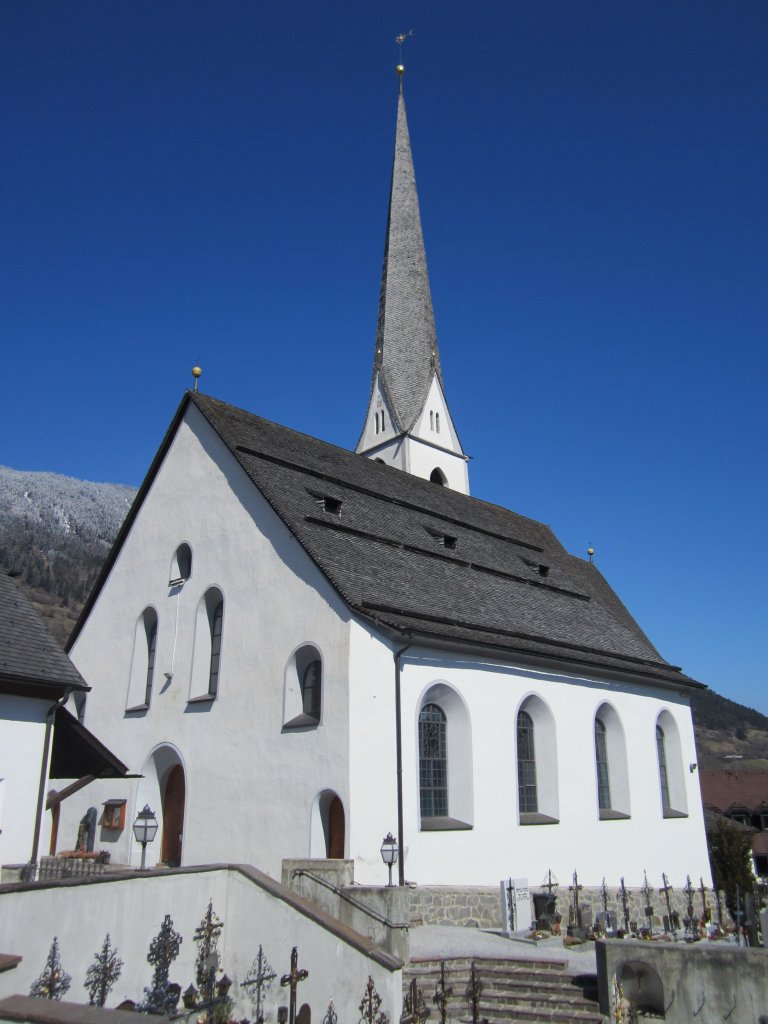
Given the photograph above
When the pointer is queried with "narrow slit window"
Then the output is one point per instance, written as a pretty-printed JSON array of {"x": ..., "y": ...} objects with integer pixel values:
[
  {"x": 601, "y": 763},
  {"x": 526, "y": 765},
  {"x": 216, "y": 628}
]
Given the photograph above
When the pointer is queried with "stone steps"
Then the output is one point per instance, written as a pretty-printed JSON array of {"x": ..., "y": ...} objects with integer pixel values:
[{"x": 513, "y": 992}]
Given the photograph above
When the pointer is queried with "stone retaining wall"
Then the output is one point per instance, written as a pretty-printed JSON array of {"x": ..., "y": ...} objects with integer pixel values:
[{"x": 467, "y": 906}]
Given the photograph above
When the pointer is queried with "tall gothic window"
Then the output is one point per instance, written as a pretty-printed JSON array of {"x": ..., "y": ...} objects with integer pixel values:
[
  {"x": 151, "y": 627},
  {"x": 310, "y": 689},
  {"x": 526, "y": 765},
  {"x": 217, "y": 619},
  {"x": 433, "y": 762},
  {"x": 601, "y": 762},
  {"x": 661, "y": 754}
]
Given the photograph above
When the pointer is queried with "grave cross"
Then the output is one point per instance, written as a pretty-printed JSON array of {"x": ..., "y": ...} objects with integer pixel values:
[
  {"x": 605, "y": 896},
  {"x": 666, "y": 889},
  {"x": 625, "y": 905},
  {"x": 648, "y": 905},
  {"x": 415, "y": 1010},
  {"x": 551, "y": 883},
  {"x": 291, "y": 981},
  {"x": 258, "y": 979},
  {"x": 689, "y": 912},
  {"x": 706, "y": 914},
  {"x": 576, "y": 889},
  {"x": 442, "y": 994}
]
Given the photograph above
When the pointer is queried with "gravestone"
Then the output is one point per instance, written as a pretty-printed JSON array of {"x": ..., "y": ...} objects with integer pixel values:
[
  {"x": 607, "y": 922},
  {"x": 515, "y": 905}
]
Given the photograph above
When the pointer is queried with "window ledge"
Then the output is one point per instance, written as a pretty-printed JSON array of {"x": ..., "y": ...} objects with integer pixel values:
[
  {"x": 204, "y": 698},
  {"x": 609, "y": 814},
  {"x": 137, "y": 707},
  {"x": 302, "y": 721},
  {"x": 670, "y": 812},
  {"x": 536, "y": 818},
  {"x": 444, "y": 824}
]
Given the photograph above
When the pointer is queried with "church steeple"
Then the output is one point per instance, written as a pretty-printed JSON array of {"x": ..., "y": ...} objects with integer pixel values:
[{"x": 408, "y": 424}]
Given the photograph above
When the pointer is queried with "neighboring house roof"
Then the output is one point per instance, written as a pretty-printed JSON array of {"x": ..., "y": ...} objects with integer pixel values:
[
  {"x": 714, "y": 819},
  {"x": 426, "y": 561},
  {"x": 735, "y": 789},
  {"x": 31, "y": 661}
]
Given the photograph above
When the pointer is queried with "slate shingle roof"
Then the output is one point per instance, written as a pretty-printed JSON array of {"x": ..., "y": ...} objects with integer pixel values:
[
  {"x": 406, "y": 355},
  {"x": 430, "y": 561},
  {"x": 727, "y": 789},
  {"x": 29, "y": 656}
]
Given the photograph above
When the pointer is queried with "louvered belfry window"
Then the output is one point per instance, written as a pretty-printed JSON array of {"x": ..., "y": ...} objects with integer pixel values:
[
  {"x": 433, "y": 762},
  {"x": 526, "y": 765}
]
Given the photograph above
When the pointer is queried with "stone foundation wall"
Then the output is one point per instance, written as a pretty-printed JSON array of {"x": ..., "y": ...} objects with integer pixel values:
[
  {"x": 466, "y": 906},
  {"x": 480, "y": 906}
]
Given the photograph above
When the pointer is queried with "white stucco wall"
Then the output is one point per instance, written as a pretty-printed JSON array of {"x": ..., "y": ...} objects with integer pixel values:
[
  {"x": 250, "y": 786},
  {"x": 498, "y": 846},
  {"x": 132, "y": 911},
  {"x": 22, "y": 738}
]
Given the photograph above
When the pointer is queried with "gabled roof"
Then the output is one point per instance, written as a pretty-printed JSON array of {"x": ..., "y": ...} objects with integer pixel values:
[
  {"x": 730, "y": 790},
  {"x": 406, "y": 357},
  {"x": 31, "y": 661},
  {"x": 424, "y": 561}
]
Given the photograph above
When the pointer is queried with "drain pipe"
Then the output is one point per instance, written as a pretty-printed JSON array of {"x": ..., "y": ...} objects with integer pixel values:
[
  {"x": 399, "y": 752},
  {"x": 44, "y": 771}
]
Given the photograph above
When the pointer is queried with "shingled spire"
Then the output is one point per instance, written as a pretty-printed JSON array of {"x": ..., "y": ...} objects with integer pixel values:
[{"x": 407, "y": 402}]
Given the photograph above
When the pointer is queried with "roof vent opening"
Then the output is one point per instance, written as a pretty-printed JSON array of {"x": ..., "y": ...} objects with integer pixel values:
[
  {"x": 332, "y": 505},
  {"x": 449, "y": 542},
  {"x": 543, "y": 570}
]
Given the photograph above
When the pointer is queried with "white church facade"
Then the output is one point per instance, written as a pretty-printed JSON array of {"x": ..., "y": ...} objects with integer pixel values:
[{"x": 301, "y": 648}]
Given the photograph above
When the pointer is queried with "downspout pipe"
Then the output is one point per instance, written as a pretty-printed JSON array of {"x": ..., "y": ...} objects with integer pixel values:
[
  {"x": 399, "y": 755},
  {"x": 44, "y": 771}
]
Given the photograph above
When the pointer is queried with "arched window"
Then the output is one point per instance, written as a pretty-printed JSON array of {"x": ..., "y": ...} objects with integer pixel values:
[
  {"x": 433, "y": 763},
  {"x": 181, "y": 566},
  {"x": 669, "y": 758},
  {"x": 437, "y": 422},
  {"x": 661, "y": 754},
  {"x": 431, "y": 420},
  {"x": 206, "y": 656},
  {"x": 437, "y": 477},
  {"x": 303, "y": 692},
  {"x": 537, "y": 788},
  {"x": 612, "y": 775},
  {"x": 601, "y": 763},
  {"x": 526, "y": 764},
  {"x": 383, "y": 422},
  {"x": 143, "y": 661}
]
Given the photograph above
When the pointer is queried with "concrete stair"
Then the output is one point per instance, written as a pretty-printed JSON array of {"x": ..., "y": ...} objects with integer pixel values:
[{"x": 513, "y": 991}]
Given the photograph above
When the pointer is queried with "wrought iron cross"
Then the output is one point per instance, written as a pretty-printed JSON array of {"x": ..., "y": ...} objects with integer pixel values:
[
  {"x": 705, "y": 911},
  {"x": 648, "y": 905},
  {"x": 370, "y": 1007},
  {"x": 258, "y": 979},
  {"x": 576, "y": 889},
  {"x": 551, "y": 884},
  {"x": 605, "y": 896},
  {"x": 689, "y": 912},
  {"x": 415, "y": 1010},
  {"x": 442, "y": 994},
  {"x": 291, "y": 981},
  {"x": 625, "y": 905},
  {"x": 666, "y": 889}
]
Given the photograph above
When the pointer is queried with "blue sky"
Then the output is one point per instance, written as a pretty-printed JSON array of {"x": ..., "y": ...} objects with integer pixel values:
[{"x": 187, "y": 182}]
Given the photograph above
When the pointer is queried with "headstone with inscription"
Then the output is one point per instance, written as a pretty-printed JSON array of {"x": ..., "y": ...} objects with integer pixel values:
[{"x": 515, "y": 905}]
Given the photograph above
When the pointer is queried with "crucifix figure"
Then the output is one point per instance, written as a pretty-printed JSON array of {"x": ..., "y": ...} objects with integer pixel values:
[
  {"x": 576, "y": 889},
  {"x": 291, "y": 980},
  {"x": 666, "y": 889}
]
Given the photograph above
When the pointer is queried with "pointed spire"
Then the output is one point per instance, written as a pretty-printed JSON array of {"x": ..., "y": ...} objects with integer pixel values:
[{"x": 406, "y": 356}]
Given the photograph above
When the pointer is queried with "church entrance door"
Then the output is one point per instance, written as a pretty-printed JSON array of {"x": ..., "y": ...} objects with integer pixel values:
[
  {"x": 173, "y": 816},
  {"x": 335, "y": 849}
]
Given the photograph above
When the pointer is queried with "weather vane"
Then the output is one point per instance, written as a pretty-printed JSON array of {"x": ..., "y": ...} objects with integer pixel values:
[{"x": 400, "y": 40}]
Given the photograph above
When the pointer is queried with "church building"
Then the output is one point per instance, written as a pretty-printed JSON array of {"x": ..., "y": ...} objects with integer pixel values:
[{"x": 301, "y": 648}]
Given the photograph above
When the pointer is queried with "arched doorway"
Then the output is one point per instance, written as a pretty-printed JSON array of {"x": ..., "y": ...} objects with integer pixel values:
[
  {"x": 174, "y": 793},
  {"x": 327, "y": 827}
]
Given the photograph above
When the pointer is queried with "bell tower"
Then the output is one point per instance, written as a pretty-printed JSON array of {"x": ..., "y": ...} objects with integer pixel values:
[{"x": 408, "y": 424}]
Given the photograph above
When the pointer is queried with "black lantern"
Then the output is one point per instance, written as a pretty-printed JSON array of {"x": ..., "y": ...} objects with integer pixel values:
[
  {"x": 390, "y": 851},
  {"x": 145, "y": 830}
]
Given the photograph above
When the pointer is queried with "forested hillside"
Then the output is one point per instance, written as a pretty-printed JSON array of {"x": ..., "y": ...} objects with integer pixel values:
[{"x": 56, "y": 532}]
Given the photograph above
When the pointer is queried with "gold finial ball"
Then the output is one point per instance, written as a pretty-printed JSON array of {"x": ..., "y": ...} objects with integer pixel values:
[
  {"x": 196, "y": 371},
  {"x": 590, "y": 551},
  {"x": 400, "y": 69}
]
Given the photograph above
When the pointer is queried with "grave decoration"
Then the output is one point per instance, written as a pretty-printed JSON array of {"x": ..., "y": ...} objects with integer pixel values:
[
  {"x": 54, "y": 982},
  {"x": 103, "y": 973},
  {"x": 163, "y": 995}
]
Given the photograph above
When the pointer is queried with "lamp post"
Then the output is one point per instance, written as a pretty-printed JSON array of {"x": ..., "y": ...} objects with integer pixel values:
[
  {"x": 145, "y": 830},
  {"x": 389, "y": 853}
]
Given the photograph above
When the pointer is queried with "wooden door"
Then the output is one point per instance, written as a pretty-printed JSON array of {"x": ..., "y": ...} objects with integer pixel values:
[
  {"x": 173, "y": 817},
  {"x": 336, "y": 830}
]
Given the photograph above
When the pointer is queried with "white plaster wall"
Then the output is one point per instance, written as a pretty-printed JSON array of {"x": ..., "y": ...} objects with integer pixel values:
[
  {"x": 250, "y": 787},
  {"x": 498, "y": 846},
  {"x": 132, "y": 911},
  {"x": 22, "y": 737}
]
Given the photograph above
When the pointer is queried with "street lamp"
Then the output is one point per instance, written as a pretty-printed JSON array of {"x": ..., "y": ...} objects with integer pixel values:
[
  {"x": 145, "y": 830},
  {"x": 389, "y": 853}
]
